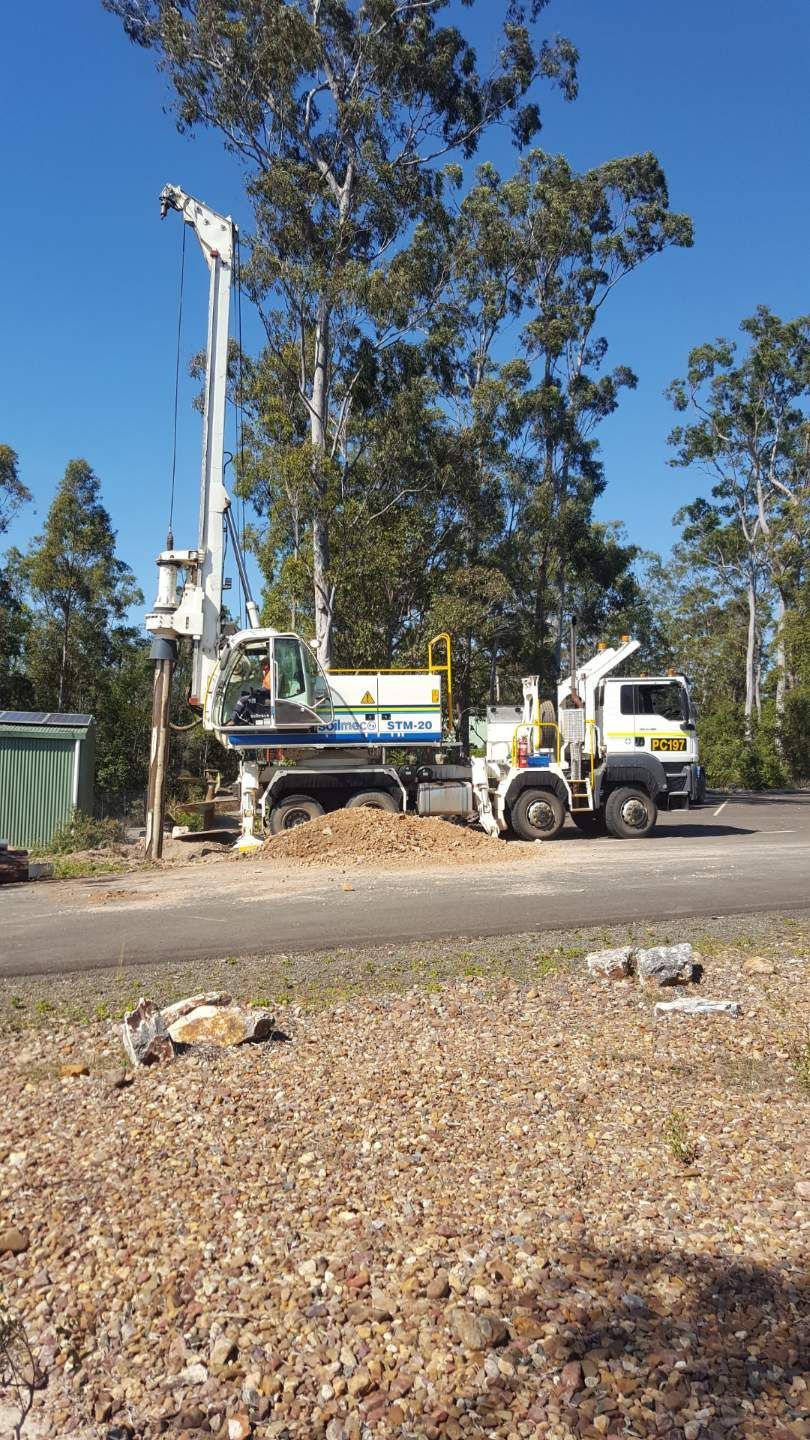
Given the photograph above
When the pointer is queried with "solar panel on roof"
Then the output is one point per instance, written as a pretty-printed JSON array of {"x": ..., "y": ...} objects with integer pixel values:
[{"x": 42, "y": 717}]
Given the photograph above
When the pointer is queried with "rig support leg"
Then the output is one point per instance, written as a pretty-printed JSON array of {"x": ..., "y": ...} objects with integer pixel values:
[
  {"x": 164, "y": 654},
  {"x": 249, "y": 791}
]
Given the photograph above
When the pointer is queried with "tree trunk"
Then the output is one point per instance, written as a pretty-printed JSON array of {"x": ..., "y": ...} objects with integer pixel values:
[
  {"x": 750, "y": 653},
  {"x": 781, "y": 661},
  {"x": 320, "y": 525},
  {"x": 63, "y": 664}
]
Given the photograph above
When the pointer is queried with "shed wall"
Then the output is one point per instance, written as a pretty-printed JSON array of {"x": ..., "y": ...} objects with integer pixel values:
[{"x": 36, "y": 787}]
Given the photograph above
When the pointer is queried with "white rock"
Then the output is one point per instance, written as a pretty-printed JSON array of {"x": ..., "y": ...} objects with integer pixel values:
[
  {"x": 610, "y": 964},
  {"x": 184, "y": 1007},
  {"x": 221, "y": 1025},
  {"x": 145, "y": 1035},
  {"x": 665, "y": 964},
  {"x": 698, "y": 1007}
]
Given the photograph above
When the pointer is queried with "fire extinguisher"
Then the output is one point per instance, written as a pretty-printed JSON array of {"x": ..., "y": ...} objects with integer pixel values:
[{"x": 523, "y": 752}]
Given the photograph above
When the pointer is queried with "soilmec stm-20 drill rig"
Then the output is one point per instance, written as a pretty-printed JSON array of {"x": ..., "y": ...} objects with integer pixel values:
[{"x": 611, "y": 753}]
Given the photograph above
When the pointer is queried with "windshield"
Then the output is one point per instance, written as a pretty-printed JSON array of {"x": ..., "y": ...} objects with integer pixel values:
[
  {"x": 276, "y": 683},
  {"x": 244, "y": 673}
]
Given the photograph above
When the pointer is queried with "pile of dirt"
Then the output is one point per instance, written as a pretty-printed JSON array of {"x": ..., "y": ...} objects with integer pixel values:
[{"x": 377, "y": 838}]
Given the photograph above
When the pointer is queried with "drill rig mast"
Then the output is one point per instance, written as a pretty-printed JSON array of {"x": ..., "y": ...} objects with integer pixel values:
[{"x": 193, "y": 610}]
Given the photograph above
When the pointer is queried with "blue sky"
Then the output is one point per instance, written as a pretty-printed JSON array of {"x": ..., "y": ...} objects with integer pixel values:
[{"x": 717, "y": 90}]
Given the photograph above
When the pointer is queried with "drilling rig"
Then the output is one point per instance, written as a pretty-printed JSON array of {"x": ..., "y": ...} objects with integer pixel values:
[{"x": 609, "y": 754}]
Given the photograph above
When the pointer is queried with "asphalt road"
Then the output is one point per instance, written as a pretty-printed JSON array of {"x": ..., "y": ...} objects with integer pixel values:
[{"x": 744, "y": 854}]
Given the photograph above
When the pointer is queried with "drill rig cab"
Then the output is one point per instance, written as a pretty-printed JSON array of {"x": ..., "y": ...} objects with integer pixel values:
[{"x": 267, "y": 682}]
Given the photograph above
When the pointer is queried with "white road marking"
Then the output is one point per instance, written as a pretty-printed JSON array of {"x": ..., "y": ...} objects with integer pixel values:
[
  {"x": 721, "y": 807},
  {"x": 777, "y": 832}
]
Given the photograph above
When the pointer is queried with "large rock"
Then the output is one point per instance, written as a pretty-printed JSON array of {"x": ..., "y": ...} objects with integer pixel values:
[
  {"x": 665, "y": 964},
  {"x": 610, "y": 964},
  {"x": 146, "y": 1038},
  {"x": 222, "y": 1025},
  {"x": 13, "y": 1241},
  {"x": 477, "y": 1332},
  {"x": 185, "y": 1007},
  {"x": 698, "y": 1007}
]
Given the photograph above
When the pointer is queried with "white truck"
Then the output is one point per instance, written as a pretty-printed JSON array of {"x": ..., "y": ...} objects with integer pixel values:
[{"x": 609, "y": 754}]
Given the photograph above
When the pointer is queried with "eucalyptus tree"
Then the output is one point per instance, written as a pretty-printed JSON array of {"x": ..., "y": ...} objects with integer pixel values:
[
  {"x": 341, "y": 111},
  {"x": 747, "y": 428},
  {"x": 534, "y": 259},
  {"x": 15, "y": 690},
  {"x": 13, "y": 494}
]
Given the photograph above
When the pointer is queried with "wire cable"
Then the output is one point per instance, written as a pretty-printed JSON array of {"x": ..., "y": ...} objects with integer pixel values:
[{"x": 170, "y": 540}]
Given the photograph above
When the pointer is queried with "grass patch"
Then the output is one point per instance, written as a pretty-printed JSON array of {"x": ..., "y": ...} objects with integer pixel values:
[
  {"x": 83, "y": 832},
  {"x": 678, "y": 1139},
  {"x": 801, "y": 1067},
  {"x": 66, "y": 868}
]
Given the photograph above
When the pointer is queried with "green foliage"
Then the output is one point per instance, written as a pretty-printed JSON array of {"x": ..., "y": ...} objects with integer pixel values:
[
  {"x": 741, "y": 613},
  {"x": 795, "y": 733},
  {"x": 13, "y": 494},
  {"x": 80, "y": 592},
  {"x": 192, "y": 819},
  {"x": 801, "y": 1067},
  {"x": 341, "y": 113},
  {"x": 83, "y": 832},
  {"x": 65, "y": 643},
  {"x": 677, "y": 1137}
]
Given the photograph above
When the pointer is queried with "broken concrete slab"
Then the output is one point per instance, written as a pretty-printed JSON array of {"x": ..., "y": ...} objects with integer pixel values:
[
  {"x": 665, "y": 964},
  {"x": 146, "y": 1038},
  {"x": 222, "y": 1025},
  {"x": 698, "y": 1007}
]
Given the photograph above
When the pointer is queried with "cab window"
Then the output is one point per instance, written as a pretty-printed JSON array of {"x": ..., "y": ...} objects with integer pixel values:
[
  {"x": 243, "y": 678},
  {"x": 665, "y": 699},
  {"x": 291, "y": 679}
]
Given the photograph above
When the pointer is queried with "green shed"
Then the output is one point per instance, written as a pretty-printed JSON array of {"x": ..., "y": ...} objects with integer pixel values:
[{"x": 46, "y": 772}]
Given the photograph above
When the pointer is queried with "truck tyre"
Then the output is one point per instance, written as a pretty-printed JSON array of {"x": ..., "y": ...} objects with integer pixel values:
[
  {"x": 538, "y": 815},
  {"x": 590, "y": 822},
  {"x": 293, "y": 810},
  {"x": 630, "y": 813},
  {"x": 374, "y": 800}
]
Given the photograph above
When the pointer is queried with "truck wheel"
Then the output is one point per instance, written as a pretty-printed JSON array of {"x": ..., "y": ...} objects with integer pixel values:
[
  {"x": 630, "y": 814},
  {"x": 293, "y": 810},
  {"x": 538, "y": 815},
  {"x": 374, "y": 800},
  {"x": 590, "y": 822}
]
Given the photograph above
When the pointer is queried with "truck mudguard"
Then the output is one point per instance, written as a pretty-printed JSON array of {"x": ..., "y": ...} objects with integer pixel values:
[
  {"x": 639, "y": 769},
  {"x": 537, "y": 780}
]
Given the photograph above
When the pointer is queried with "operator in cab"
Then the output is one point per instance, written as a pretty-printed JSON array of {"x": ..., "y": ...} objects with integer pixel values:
[{"x": 267, "y": 683}]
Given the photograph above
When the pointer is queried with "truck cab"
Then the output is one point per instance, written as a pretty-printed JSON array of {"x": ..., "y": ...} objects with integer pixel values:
[{"x": 653, "y": 715}]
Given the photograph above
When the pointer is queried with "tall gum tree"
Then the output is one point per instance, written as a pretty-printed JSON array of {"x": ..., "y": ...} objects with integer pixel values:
[
  {"x": 533, "y": 261},
  {"x": 342, "y": 111},
  {"x": 747, "y": 427}
]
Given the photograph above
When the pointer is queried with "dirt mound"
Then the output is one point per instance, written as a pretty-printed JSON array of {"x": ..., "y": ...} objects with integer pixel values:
[{"x": 378, "y": 838}]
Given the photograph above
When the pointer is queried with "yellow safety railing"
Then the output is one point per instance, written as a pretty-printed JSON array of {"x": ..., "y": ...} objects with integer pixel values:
[
  {"x": 434, "y": 667},
  {"x": 445, "y": 669},
  {"x": 538, "y": 725},
  {"x": 594, "y": 737}
]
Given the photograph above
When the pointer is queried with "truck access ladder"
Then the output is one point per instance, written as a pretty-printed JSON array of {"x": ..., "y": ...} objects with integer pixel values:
[{"x": 581, "y": 795}]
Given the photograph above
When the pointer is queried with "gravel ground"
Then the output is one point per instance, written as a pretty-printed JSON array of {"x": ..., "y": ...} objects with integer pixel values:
[{"x": 502, "y": 1201}]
